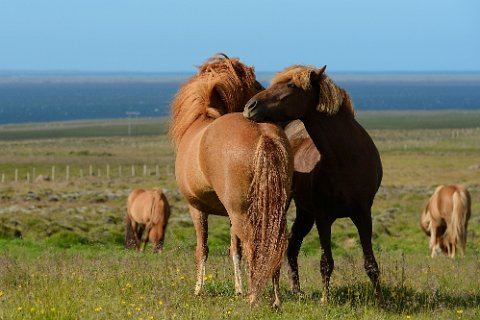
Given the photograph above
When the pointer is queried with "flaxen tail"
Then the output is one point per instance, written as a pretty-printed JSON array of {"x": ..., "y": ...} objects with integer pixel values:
[
  {"x": 460, "y": 215},
  {"x": 265, "y": 230}
]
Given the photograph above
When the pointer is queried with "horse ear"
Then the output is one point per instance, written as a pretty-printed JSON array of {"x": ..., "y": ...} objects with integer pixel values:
[
  {"x": 316, "y": 75},
  {"x": 322, "y": 70},
  {"x": 215, "y": 105}
]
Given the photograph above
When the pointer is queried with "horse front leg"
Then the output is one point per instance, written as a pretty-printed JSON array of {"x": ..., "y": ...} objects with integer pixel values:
[
  {"x": 301, "y": 227},
  {"x": 433, "y": 240},
  {"x": 364, "y": 227},
  {"x": 326, "y": 261},
  {"x": 200, "y": 222},
  {"x": 236, "y": 254}
]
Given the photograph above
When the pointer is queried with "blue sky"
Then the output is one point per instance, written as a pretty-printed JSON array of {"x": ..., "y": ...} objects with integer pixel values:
[{"x": 176, "y": 35}]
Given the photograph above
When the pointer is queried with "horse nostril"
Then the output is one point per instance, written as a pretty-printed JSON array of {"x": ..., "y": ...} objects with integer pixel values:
[{"x": 251, "y": 105}]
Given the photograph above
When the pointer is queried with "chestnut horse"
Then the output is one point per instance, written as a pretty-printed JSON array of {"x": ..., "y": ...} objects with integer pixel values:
[
  {"x": 230, "y": 166},
  {"x": 445, "y": 219},
  {"x": 337, "y": 166},
  {"x": 146, "y": 210}
]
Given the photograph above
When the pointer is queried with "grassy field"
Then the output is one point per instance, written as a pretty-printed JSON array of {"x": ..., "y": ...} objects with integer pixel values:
[{"x": 61, "y": 253}]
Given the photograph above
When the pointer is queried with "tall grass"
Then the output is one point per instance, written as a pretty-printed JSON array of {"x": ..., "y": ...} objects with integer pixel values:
[{"x": 61, "y": 253}]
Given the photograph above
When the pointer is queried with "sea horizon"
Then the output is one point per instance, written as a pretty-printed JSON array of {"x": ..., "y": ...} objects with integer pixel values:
[{"x": 51, "y": 96}]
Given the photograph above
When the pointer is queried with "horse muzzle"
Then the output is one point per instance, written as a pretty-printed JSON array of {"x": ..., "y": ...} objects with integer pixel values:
[{"x": 252, "y": 112}]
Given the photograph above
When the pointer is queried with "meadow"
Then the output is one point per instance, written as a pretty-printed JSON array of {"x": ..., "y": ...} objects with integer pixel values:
[{"x": 61, "y": 240}]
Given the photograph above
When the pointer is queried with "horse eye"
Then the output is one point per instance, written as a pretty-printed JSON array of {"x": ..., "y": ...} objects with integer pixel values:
[{"x": 291, "y": 85}]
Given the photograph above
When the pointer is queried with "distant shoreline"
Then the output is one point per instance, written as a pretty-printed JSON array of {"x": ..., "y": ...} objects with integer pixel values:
[{"x": 155, "y": 126}]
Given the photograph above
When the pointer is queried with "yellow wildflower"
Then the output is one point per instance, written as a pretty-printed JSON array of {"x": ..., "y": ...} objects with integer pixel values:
[
  {"x": 98, "y": 309},
  {"x": 1, "y": 293},
  {"x": 19, "y": 308},
  {"x": 460, "y": 311}
]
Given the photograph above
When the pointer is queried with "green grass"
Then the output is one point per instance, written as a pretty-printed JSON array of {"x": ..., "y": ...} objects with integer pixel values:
[
  {"x": 419, "y": 119},
  {"x": 92, "y": 128},
  {"x": 62, "y": 257}
]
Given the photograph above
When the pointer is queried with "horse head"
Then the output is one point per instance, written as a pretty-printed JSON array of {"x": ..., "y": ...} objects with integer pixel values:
[{"x": 292, "y": 94}]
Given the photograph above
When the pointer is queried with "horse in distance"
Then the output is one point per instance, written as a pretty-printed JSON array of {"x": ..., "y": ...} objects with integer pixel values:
[
  {"x": 230, "y": 166},
  {"x": 148, "y": 212},
  {"x": 337, "y": 167},
  {"x": 445, "y": 219}
]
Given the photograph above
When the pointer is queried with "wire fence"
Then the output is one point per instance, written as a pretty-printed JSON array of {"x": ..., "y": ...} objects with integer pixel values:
[{"x": 70, "y": 172}]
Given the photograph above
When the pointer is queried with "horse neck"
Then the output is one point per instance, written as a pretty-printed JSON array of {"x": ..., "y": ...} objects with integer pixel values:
[{"x": 330, "y": 132}]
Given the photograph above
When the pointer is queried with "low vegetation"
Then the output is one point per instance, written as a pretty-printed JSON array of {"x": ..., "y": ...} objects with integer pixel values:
[{"x": 61, "y": 241}]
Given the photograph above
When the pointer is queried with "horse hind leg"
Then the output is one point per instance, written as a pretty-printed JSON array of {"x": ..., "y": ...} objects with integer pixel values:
[
  {"x": 276, "y": 302},
  {"x": 301, "y": 227},
  {"x": 364, "y": 227},
  {"x": 156, "y": 238},
  {"x": 147, "y": 232},
  {"x": 137, "y": 234},
  {"x": 236, "y": 254},
  {"x": 200, "y": 222}
]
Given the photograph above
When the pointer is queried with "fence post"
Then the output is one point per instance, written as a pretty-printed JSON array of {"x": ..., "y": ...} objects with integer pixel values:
[
  {"x": 81, "y": 173},
  {"x": 157, "y": 171},
  {"x": 144, "y": 170},
  {"x": 16, "y": 175},
  {"x": 133, "y": 170},
  {"x": 67, "y": 172},
  {"x": 53, "y": 173},
  {"x": 28, "y": 176},
  {"x": 108, "y": 171},
  {"x": 34, "y": 174},
  {"x": 3, "y": 177},
  {"x": 119, "y": 170},
  {"x": 91, "y": 170}
]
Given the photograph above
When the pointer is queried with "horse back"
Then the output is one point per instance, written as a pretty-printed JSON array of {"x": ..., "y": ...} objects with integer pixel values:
[{"x": 140, "y": 205}]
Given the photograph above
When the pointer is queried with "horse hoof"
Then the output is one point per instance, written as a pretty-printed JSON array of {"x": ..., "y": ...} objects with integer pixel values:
[{"x": 276, "y": 305}]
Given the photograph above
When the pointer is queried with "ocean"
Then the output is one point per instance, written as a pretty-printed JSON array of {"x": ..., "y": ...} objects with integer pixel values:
[{"x": 47, "y": 97}]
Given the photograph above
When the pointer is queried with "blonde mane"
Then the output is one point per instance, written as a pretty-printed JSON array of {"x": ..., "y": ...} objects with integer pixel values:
[
  {"x": 332, "y": 97},
  {"x": 222, "y": 85}
]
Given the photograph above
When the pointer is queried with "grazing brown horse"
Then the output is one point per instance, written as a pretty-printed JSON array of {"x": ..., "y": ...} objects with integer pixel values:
[
  {"x": 445, "y": 219},
  {"x": 230, "y": 166},
  {"x": 146, "y": 210},
  {"x": 337, "y": 166}
]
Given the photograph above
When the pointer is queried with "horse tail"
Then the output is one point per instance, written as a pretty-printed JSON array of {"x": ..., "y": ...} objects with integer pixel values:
[
  {"x": 265, "y": 230},
  {"x": 129, "y": 237},
  {"x": 460, "y": 215}
]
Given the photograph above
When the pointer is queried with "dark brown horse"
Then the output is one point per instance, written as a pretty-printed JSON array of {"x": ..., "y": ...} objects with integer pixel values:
[
  {"x": 230, "y": 166},
  {"x": 337, "y": 172},
  {"x": 147, "y": 210},
  {"x": 445, "y": 219}
]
